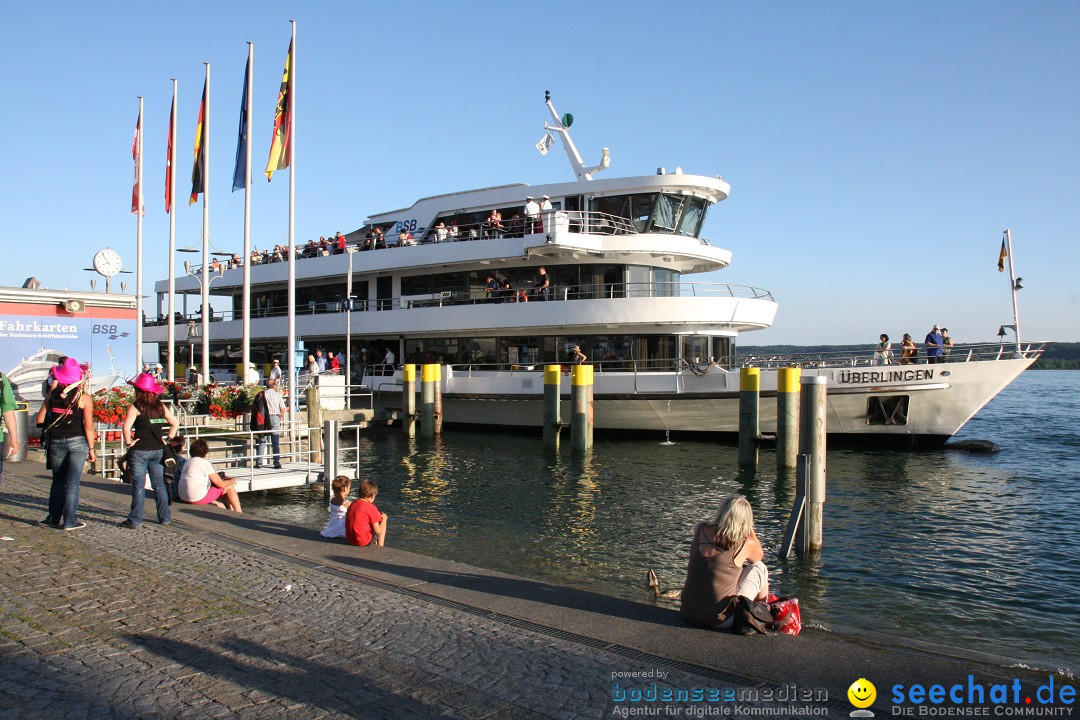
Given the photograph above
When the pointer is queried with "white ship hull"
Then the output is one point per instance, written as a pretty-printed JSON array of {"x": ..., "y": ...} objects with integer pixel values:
[{"x": 937, "y": 400}]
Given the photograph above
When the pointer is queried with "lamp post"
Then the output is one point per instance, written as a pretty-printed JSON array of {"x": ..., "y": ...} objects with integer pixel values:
[
  {"x": 348, "y": 330},
  {"x": 205, "y": 311}
]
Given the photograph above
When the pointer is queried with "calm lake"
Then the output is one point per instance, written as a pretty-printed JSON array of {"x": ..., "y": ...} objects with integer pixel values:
[{"x": 981, "y": 552}]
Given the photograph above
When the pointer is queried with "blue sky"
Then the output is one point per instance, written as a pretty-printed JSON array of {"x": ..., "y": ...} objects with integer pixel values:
[{"x": 876, "y": 151}]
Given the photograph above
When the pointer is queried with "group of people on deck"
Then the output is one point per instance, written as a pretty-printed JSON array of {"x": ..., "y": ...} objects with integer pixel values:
[{"x": 937, "y": 345}]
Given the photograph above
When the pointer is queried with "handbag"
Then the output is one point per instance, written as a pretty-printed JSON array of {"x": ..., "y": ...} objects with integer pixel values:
[
  {"x": 169, "y": 457},
  {"x": 752, "y": 617}
]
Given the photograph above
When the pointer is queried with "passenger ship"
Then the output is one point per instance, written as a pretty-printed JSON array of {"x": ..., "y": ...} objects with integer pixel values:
[{"x": 618, "y": 255}]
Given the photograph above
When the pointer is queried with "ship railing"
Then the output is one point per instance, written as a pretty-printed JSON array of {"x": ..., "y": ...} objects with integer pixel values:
[
  {"x": 958, "y": 353},
  {"x": 522, "y": 291}
]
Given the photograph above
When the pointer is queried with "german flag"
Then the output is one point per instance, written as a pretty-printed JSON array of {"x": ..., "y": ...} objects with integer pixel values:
[
  {"x": 1001, "y": 256},
  {"x": 279, "y": 149},
  {"x": 198, "y": 171}
]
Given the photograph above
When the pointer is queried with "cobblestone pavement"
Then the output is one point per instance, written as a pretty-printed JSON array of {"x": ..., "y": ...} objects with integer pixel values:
[{"x": 162, "y": 622}]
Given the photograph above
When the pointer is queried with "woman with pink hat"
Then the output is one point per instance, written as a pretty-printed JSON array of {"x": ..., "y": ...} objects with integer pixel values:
[
  {"x": 71, "y": 441},
  {"x": 147, "y": 422}
]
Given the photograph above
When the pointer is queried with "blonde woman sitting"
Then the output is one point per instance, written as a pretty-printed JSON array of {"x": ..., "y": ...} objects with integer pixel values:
[{"x": 725, "y": 562}]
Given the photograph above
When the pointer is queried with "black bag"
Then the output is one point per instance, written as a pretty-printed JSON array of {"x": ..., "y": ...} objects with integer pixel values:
[
  {"x": 752, "y": 617},
  {"x": 168, "y": 456}
]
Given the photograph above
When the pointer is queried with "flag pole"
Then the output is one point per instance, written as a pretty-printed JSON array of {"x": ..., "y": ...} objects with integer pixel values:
[
  {"x": 1013, "y": 288},
  {"x": 204, "y": 148},
  {"x": 172, "y": 238},
  {"x": 138, "y": 243},
  {"x": 293, "y": 374},
  {"x": 246, "y": 357}
]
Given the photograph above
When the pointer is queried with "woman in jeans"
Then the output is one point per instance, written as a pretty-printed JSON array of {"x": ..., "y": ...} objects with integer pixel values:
[
  {"x": 147, "y": 422},
  {"x": 71, "y": 441}
]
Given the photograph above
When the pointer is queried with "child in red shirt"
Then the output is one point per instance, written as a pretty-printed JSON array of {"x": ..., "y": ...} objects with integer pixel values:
[{"x": 363, "y": 520}]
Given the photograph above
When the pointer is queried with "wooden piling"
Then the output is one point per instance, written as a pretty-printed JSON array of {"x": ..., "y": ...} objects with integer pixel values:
[
  {"x": 438, "y": 414},
  {"x": 330, "y": 445},
  {"x": 749, "y": 394},
  {"x": 427, "y": 400},
  {"x": 787, "y": 417},
  {"x": 552, "y": 418},
  {"x": 314, "y": 420},
  {"x": 581, "y": 402},
  {"x": 408, "y": 400},
  {"x": 812, "y": 425}
]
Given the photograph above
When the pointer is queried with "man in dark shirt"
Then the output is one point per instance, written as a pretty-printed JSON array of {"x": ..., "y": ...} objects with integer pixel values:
[
  {"x": 934, "y": 346},
  {"x": 543, "y": 283}
]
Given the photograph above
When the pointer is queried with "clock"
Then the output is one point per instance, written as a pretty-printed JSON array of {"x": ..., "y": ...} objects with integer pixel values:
[{"x": 107, "y": 262}]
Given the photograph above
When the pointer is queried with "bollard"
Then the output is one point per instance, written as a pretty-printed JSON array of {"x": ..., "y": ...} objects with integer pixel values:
[
  {"x": 787, "y": 417},
  {"x": 408, "y": 399},
  {"x": 552, "y": 418},
  {"x": 749, "y": 393},
  {"x": 438, "y": 399},
  {"x": 812, "y": 442},
  {"x": 581, "y": 418},
  {"x": 330, "y": 446},
  {"x": 427, "y": 400},
  {"x": 314, "y": 421}
]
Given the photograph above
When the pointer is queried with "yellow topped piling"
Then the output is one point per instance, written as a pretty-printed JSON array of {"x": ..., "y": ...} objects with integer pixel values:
[
  {"x": 552, "y": 419},
  {"x": 749, "y": 393},
  {"x": 787, "y": 417}
]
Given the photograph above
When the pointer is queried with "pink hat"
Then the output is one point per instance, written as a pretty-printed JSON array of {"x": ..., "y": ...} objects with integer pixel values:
[
  {"x": 146, "y": 383},
  {"x": 68, "y": 372}
]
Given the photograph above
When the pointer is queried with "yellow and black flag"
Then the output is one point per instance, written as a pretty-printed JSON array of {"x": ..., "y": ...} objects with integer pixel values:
[
  {"x": 1001, "y": 257},
  {"x": 279, "y": 149},
  {"x": 198, "y": 171}
]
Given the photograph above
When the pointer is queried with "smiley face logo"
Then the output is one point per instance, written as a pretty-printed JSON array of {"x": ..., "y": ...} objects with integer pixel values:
[{"x": 862, "y": 693}]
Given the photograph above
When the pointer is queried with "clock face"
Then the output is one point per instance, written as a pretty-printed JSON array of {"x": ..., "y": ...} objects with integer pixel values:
[{"x": 107, "y": 262}]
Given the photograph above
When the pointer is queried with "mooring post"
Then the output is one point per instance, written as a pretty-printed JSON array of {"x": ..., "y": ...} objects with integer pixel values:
[
  {"x": 427, "y": 400},
  {"x": 408, "y": 399},
  {"x": 314, "y": 422},
  {"x": 812, "y": 442},
  {"x": 749, "y": 393},
  {"x": 552, "y": 418},
  {"x": 581, "y": 419},
  {"x": 787, "y": 417},
  {"x": 330, "y": 444},
  {"x": 437, "y": 410}
]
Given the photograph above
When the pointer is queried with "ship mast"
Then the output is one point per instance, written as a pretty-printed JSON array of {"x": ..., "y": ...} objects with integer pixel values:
[{"x": 572, "y": 154}]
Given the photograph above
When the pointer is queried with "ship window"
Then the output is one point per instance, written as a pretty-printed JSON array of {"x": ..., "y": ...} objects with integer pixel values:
[
  {"x": 692, "y": 217},
  {"x": 665, "y": 282},
  {"x": 667, "y": 211},
  {"x": 641, "y": 207},
  {"x": 887, "y": 410}
]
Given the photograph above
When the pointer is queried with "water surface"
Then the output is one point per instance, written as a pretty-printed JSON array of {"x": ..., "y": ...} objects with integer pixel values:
[{"x": 976, "y": 551}]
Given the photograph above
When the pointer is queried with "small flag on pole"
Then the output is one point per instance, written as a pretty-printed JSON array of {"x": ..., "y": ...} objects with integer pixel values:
[
  {"x": 239, "y": 181},
  {"x": 545, "y": 144},
  {"x": 168, "y": 161},
  {"x": 279, "y": 149},
  {"x": 136, "y": 201},
  {"x": 1001, "y": 257},
  {"x": 198, "y": 181}
]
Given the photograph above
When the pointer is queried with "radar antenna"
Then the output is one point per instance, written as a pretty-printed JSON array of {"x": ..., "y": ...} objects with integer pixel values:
[{"x": 562, "y": 126}]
